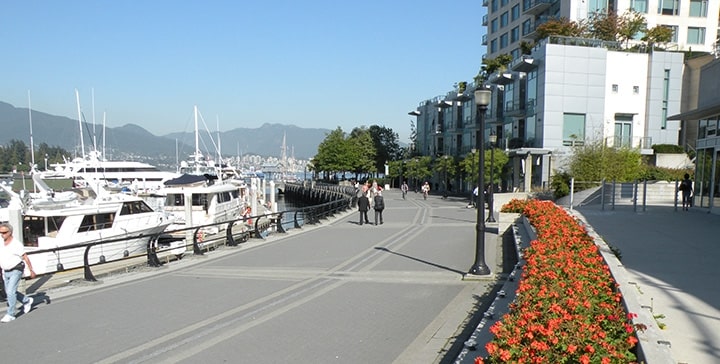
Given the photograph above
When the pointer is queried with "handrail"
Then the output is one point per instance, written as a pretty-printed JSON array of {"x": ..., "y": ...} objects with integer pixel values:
[{"x": 337, "y": 199}]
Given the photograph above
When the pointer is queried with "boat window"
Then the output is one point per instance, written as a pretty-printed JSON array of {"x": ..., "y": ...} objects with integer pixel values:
[
  {"x": 236, "y": 194},
  {"x": 174, "y": 199},
  {"x": 34, "y": 227},
  {"x": 200, "y": 199},
  {"x": 96, "y": 222},
  {"x": 224, "y": 197},
  {"x": 135, "y": 207}
]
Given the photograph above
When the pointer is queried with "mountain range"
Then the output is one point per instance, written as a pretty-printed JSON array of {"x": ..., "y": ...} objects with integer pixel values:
[{"x": 132, "y": 139}]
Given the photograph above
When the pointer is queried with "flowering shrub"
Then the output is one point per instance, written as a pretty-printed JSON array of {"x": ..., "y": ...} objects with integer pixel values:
[
  {"x": 514, "y": 205},
  {"x": 567, "y": 309}
]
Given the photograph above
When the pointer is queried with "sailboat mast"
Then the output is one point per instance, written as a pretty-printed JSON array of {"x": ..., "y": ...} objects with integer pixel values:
[
  {"x": 32, "y": 146},
  {"x": 197, "y": 144},
  {"x": 82, "y": 143},
  {"x": 103, "y": 148},
  {"x": 94, "y": 140}
]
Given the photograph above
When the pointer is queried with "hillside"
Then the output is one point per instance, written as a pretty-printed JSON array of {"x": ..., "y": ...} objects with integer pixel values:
[{"x": 132, "y": 139}]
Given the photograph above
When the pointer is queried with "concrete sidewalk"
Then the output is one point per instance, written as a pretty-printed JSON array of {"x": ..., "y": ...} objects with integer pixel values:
[
  {"x": 331, "y": 291},
  {"x": 672, "y": 256}
]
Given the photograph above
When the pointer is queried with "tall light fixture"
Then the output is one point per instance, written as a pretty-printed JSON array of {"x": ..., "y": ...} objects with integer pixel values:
[
  {"x": 482, "y": 100},
  {"x": 493, "y": 139}
]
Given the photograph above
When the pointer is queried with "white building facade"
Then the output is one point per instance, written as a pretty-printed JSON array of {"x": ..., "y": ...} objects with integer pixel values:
[{"x": 509, "y": 22}]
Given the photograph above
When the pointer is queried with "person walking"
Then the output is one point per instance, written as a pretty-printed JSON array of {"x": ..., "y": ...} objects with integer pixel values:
[
  {"x": 379, "y": 206},
  {"x": 686, "y": 189},
  {"x": 13, "y": 261},
  {"x": 404, "y": 188},
  {"x": 363, "y": 207},
  {"x": 425, "y": 189}
]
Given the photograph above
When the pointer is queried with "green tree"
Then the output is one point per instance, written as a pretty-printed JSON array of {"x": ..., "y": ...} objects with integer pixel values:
[
  {"x": 561, "y": 26},
  {"x": 659, "y": 34},
  {"x": 334, "y": 154},
  {"x": 362, "y": 151},
  {"x": 469, "y": 165},
  {"x": 595, "y": 161},
  {"x": 385, "y": 141},
  {"x": 418, "y": 169},
  {"x": 498, "y": 63},
  {"x": 446, "y": 166}
]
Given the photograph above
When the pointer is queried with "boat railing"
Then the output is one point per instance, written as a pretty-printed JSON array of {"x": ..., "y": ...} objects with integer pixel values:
[{"x": 323, "y": 202}]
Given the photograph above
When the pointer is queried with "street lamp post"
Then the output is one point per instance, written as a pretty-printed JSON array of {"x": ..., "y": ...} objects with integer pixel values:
[
  {"x": 491, "y": 198},
  {"x": 482, "y": 100},
  {"x": 472, "y": 191}
]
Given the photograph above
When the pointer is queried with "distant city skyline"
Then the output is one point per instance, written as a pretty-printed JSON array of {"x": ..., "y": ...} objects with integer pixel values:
[{"x": 316, "y": 64}]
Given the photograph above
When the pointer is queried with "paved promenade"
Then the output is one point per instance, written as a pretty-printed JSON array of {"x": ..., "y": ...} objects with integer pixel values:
[
  {"x": 335, "y": 292},
  {"x": 673, "y": 257}
]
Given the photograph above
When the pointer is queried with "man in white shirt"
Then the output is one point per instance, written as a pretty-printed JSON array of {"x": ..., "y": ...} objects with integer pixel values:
[{"x": 13, "y": 261}]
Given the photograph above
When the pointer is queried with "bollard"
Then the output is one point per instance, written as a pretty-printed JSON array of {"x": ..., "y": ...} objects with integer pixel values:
[
  {"x": 635, "y": 192},
  {"x": 644, "y": 194}
]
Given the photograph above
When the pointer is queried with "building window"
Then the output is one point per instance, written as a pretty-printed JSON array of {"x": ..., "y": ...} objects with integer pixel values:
[
  {"x": 515, "y": 35},
  {"x": 503, "y": 40},
  {"x": 623, "y": 131},
  {"x": 696, "y": 35},
  {"x": 573, "y": 129},
  {"x": 666, "y": 96},
  {"x": 698, "y": 8},
  {"x": 668, "y": 7},
  {"x": 597, "y": 6},
  {"x": 639, "y": 6},
  {"x": 515, "y": 12},
  {"x": 493, "y": 26},
  {"x": 493, "y": 5},
  {"x": 493, "y": 46},
  {"x": 503, "y": 2},
  {"x": 615, "y": 88},
  {"x": 515, "y": 53},
  {"x": 504, "y": 19},
  {"x": 636, "y": 90},
  {"x": 527, "y": 27}
]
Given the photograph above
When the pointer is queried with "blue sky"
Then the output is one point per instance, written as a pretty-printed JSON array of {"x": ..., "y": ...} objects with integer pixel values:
[{"x": 314, "y": 63}]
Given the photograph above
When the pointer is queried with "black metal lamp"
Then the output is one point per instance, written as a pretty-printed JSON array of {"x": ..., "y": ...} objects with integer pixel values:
[
  {"x": 491, "y": 216},
  {"x": 479, "y": 267}
]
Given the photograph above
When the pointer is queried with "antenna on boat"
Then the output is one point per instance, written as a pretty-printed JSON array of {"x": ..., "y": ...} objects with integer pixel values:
[{"x": 82, "y": 143}]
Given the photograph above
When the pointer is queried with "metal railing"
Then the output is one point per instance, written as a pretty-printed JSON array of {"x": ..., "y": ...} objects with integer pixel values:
[{"x": 325, "y": 201}]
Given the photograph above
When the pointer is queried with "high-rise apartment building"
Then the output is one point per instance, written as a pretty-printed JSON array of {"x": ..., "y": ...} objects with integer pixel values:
[
  {"x": 510, "y": 22},
  {"x": 565, "y": 92}
]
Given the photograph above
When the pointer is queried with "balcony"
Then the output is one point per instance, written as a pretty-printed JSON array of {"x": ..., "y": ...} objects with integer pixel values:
[
  {"x": 485, "y": 2},
  {"x": 529, "y": 29},
  {"x": 515, "y": 108},
  {"x": 484, "y": 20},
  {"x": 525, "y": 64},
  {"x": 502, "y": 78},
  {"x": 535, "y": 7},
  {"x": 484, "y": 40}
]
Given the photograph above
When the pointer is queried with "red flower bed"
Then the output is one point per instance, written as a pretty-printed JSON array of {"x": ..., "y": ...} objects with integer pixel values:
[{"x": 568, "y": 309}]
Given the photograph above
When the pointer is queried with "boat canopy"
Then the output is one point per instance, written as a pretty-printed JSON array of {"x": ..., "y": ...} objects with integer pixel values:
[{"x": 190, "y": 179}]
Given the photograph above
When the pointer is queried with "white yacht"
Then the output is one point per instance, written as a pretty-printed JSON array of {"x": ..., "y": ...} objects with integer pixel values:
[
  {"x": 48, "y": 220},
  {"x": 137, "y": 177},
  {"x": 195, "y": 200}
]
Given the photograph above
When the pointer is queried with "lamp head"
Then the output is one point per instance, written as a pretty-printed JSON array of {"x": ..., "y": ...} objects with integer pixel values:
[{"x": 482, "y": 97}]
